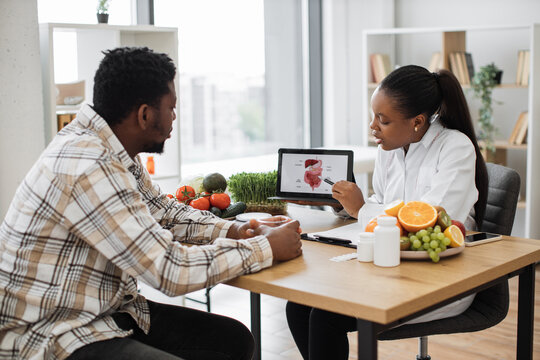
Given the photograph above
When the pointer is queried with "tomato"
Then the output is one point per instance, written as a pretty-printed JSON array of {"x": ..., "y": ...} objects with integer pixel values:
[
  {"x": 220, "y": 200},
  {"x": 201, "y": 203},
  {"x": 185, "y": 194},
  {"x": 170, "y": 196}
]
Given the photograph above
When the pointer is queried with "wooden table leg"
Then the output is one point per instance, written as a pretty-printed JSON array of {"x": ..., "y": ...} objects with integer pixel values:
[
  {"x": 367, "y": 340},
  {"x": 256, "y": 323},
  {"x": 525, "y": 330}
]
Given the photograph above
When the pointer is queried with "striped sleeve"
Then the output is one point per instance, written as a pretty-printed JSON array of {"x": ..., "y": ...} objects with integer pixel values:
[{"x": 108, "y": 212}]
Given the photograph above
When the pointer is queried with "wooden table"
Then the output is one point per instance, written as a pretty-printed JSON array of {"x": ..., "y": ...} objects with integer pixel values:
[{"x": 383, "y": 297}]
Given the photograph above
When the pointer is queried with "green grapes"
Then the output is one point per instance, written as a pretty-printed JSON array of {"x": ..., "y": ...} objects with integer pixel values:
[{"x": 431, "y": 240}]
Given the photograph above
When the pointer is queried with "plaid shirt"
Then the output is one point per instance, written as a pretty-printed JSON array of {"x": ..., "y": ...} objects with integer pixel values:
[{"x": 85, "y": 223}]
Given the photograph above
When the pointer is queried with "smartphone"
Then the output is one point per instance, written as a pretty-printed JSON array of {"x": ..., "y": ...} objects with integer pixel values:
[{"x": 481, "y": 238}]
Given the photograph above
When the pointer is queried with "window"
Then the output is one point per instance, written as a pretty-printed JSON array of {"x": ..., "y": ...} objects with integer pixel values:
[{"x": 240, "y": 71}]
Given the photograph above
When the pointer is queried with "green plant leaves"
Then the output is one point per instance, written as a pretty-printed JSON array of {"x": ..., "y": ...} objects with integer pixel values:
[
  {"x": 482, "y": 85},
  {"x": 253, "y": 187}
]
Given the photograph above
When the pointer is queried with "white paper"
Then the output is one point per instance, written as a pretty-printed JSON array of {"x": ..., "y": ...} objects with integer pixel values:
[
  {"x": 347, "y": 232},
  {"x": 344, "y": 257},
  {"x": 351, "y": 231}
]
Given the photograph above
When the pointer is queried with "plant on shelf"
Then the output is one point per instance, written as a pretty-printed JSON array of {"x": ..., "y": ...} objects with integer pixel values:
[
  {"x": 254, "y": 189},
  {"x": 103, "y": 11},
  {"x": 483, "y": 82}
]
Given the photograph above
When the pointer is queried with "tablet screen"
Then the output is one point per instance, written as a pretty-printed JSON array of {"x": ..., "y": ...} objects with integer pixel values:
[{"x": 312, "y": 172}]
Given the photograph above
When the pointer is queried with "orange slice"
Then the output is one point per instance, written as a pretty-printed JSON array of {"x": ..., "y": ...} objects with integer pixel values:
[
  {"x": 417, "y": 215},
  {"x": 455, "y": 235},
  {"x": 370, "y": 227},
  {"x": 392, "y": 208}
]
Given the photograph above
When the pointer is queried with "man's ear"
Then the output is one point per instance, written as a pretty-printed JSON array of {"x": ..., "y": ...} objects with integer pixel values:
[{"x": 143, "y": 116}]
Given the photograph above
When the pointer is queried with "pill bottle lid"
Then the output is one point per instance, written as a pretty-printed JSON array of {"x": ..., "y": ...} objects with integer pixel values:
[
  {"x": 366, "y": 236},
  {"x": 150, "y": 158},
  {"x": 386, "y": 220}
]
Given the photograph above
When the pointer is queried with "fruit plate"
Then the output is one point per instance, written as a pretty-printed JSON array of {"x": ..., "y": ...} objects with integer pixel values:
[{"x": 423, "y": 255}]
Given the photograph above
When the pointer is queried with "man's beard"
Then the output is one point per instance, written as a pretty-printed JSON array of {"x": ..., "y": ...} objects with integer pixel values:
[{"x": 156, "y": 148}]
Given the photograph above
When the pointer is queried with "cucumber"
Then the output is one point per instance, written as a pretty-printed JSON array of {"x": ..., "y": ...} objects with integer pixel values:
[
  {"x": 216, "y": 211},
  {"x": 234, "y": 209}
]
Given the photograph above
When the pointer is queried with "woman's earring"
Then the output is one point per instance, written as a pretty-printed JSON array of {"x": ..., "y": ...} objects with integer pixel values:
[{"x": 416, "y": 129}]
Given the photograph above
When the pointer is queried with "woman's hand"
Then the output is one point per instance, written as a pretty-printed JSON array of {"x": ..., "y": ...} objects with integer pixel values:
[
  {"x": 244, "y": 230},
  {"x": 349, "y": 196}
]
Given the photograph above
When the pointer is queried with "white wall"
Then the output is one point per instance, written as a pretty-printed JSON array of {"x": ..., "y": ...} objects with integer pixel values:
[
  {"x": 22, "y": 136},
  {"x": 427, "y": 13},
  {"x": 343, "y": 23}
]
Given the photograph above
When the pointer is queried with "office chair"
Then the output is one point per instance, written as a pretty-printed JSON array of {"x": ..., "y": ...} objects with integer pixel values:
[{"x": 490, "y": 306}]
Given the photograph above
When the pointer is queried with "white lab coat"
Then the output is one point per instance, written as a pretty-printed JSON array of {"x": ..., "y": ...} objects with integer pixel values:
[{"x": 439, "y": 170}]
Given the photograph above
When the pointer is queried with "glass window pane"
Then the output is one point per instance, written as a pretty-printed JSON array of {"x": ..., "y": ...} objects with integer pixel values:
[{"x": 224, "y": 70}]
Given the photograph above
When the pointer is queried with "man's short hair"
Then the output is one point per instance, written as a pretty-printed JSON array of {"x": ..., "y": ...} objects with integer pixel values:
[{"x": 128, "y": 77}]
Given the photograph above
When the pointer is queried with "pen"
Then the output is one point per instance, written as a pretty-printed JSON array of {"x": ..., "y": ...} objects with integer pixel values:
[
  {"x": 332, "y": 240},
  {"x": 328, "y": 240},
  {"x": 327, "y": 180}
]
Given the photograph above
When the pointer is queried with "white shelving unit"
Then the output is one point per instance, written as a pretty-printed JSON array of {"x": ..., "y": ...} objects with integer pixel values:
[
  {"x": 91, "y": 40},
  {"x": 498, "y": 44}
]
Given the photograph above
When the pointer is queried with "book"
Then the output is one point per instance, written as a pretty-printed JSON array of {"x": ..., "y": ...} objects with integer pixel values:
[
  {"x": 435, "y": 63},
  {"x": 521, "y": 136},
  {"x": 470, "y": 65},
  {"x": 519, "y": 71},
  {"x": 386, "y": 64},
  {"x": 380, "y": 66},
  {"x": 458, "y": 66},
  {"x": 454, "y": 66},
  {"x": 464, "y": 72},
  {"x": 517, "y": 127},
  {"x": 526, "y": 66}
]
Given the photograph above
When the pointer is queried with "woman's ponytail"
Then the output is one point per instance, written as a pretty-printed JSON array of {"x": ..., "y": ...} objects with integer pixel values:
[{"x": 454, "y": 114}]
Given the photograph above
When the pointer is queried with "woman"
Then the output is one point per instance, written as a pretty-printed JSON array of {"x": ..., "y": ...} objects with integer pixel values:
[{"x": 428, "y": 152}]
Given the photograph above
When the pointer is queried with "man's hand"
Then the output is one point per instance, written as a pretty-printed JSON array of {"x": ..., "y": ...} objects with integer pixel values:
[
  {"x": 284, "y": 240},
  {"x": 349, "y": 195}
]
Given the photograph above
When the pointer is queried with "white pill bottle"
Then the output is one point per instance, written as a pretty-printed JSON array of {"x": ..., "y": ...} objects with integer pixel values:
[{"x": 386, "y": 248}]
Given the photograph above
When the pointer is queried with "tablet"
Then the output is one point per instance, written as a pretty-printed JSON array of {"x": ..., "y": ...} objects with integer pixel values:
[{"x": 308, "y": 174}]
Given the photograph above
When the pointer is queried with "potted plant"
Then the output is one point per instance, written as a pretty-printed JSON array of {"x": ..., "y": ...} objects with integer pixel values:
[
  {"x": 483, "y": 82},
  {"x": 103, "y": 11},
  {"x": 254, "y": 189}
]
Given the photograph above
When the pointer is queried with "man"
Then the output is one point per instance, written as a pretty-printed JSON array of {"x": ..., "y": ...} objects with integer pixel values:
[{"x": 87, "y": 223}]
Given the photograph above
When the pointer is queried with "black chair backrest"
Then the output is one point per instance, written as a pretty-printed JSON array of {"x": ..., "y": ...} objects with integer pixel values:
[{"x": 503, "y": 195}]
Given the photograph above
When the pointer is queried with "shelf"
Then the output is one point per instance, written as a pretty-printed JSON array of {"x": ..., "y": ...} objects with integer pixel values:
[
  {"x": 503, "y": 86},
  {"x": 91, "y": 41},
  {"x": 68, "y": 108},
  {"x": 504, "y": 144},
  {"x": 411, "y": 46},
  {"x": 373, "y": 86}
]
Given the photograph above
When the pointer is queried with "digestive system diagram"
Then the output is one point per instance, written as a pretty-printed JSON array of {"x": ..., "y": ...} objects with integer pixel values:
[{"x": 312, "y": 176}]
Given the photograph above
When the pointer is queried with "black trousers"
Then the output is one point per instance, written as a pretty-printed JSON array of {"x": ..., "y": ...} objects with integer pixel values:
[
  {"x": 319, "y": 334},
  {"x": 175, "y": 333}
]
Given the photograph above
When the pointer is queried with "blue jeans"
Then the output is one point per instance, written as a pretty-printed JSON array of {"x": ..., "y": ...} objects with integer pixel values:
[{"x": 175, "y": 333}]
